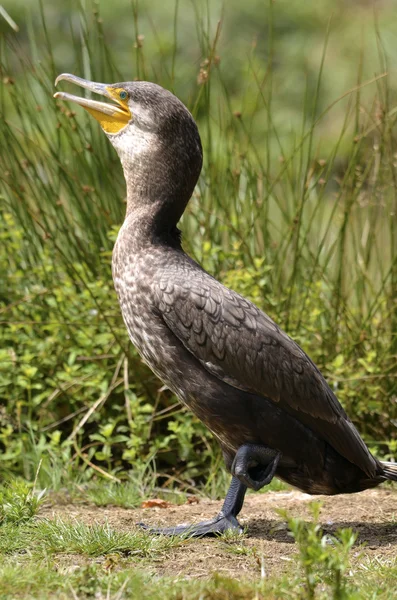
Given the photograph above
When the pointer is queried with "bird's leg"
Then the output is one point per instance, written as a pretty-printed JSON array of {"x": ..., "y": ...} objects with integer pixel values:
[
  {"x": 255, "y": 465},
  {"x": 225, "y": 520}
]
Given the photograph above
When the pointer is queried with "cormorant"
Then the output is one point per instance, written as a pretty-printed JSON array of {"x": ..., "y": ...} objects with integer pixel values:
[{"x": 261, "y": 396}]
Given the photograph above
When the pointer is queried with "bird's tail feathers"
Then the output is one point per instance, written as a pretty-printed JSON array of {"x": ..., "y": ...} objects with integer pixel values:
[{"x": 389, "y": 470}]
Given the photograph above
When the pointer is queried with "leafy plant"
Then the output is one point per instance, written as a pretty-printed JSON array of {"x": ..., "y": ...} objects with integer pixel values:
[{"x": 324, "y": 559}]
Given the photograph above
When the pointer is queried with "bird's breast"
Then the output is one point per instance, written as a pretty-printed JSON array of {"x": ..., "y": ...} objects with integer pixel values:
[
  {"x": 136, "y": 303},
  {"x": 134, "y": 277}
]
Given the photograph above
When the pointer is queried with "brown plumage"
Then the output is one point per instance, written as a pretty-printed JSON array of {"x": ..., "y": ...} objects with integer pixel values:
[{"x": 265, "y": 401}]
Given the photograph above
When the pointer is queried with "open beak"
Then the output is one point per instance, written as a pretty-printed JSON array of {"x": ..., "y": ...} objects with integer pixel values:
[{"x": 112, "y": 118}]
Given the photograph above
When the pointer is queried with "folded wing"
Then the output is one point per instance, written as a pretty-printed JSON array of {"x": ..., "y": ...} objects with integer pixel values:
[{"x": 242, "y": 346}]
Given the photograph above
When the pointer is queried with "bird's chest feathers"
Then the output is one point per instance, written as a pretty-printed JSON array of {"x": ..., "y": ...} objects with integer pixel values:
[
  {"x": 132, "y": 284},
  {"x": 133, "y": 277}
]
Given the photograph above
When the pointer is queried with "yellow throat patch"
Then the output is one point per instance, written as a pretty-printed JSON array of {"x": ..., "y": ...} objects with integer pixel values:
[{"x": 113, "y": 123}]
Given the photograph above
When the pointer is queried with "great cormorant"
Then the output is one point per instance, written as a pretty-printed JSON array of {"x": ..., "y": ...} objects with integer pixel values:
[{"x": 260, "y": 395}]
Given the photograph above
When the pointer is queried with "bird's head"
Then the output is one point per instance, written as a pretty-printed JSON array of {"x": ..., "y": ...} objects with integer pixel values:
[{"x": 155, "y": 137}]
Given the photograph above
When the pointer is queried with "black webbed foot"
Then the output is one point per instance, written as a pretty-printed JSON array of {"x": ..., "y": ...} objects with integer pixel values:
[
  {"x": 255, "y": 465},
  {"x": 216, "y": 526},
  {"x": 224, "y": 521}
]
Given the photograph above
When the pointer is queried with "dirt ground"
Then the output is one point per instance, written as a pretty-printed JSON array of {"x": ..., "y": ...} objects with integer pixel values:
[{"x": 372, "y": 514}]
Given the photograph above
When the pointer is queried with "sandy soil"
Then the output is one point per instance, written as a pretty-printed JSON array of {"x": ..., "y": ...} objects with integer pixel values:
[{"x": 372, "y": 514}]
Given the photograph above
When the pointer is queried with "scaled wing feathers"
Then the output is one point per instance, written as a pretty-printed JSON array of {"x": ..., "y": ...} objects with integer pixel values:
[{"x": 234, "y": 339}]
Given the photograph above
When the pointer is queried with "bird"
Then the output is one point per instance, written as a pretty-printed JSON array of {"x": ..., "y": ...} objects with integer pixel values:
[{"x": 263, "y": 399}]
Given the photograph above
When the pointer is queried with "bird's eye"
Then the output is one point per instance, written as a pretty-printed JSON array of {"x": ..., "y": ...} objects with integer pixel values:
[{"x": 123, "y": 95}]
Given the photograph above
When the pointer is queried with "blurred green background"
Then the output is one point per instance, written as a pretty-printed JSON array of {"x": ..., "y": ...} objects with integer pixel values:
[
  {"x": 174, "y": 34},
  {"x": 296, "y": 208}
]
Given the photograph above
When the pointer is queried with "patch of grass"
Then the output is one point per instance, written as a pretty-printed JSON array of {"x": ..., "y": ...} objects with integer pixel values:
[
  {"x": 13, "y": 539},
  {"x": 231, "y": 537},
  {"x": 93, "y": 581},
  {"x": 19, "y": 503},
  {"x": 21, "y": 531},
  {"x": 128, "y": 495},
  {"x": 74, "y": 537},
  {"x": 125, "y": 494},
  {"x": 141, "y": 484},
  {"x": 30, "y": 579},
  {"x": 52, "y": 579},
  {"x": 378, "y": 576},
  {"x": 45, "y": 536}
]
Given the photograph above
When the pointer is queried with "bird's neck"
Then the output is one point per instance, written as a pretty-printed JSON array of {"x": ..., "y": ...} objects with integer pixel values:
[
  {"x": 141, "y": 232},
  {"x": 147, "y": 222},
  {"x": 154, "y": 207},
  {"x": 160, "y": 178}
]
